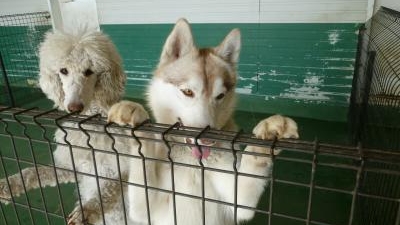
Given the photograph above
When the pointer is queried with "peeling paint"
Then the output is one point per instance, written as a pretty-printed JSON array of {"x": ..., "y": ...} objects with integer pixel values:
[
  {"x": 333, "y": 37},
  {"x": 272, "y": 73},
  {"x": 309, "y": 93},
  {"x": 350, "y": 67},
  {"x": 314, "y": 80},
  {"x": 337, "y": 59},
  {"x": 254, "y": 78},
  {"x": 137, "y": 73},
  {"x": 243, "y": 90},
  {"x": 282, "y": 81},
  {"x": 310, "y": 73},
  {"x": 262, "y": 73},
  {"x": 268, "y": 97},
  {"x": 305, "y": 93},
  {"x": 137, "y": 78}
]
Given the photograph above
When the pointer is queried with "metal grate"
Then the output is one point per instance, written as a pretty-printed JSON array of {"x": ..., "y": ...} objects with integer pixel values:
[
  {"x": 375, "y": 100},
  {"x": 20, "y": 35},
  {"x": 311, "y": 182},
  {"x": 375, "y": 108}
]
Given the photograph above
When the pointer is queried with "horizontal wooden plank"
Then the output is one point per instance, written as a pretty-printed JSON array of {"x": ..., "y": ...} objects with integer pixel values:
[
  {"x": 298, "y": 63},
  {"x": 302, "y": 62}
]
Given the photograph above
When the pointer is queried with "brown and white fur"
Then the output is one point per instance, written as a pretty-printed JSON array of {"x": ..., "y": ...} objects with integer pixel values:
[
  {"x": 197, "y": 88},
  {"x": 80, "y": 73}
]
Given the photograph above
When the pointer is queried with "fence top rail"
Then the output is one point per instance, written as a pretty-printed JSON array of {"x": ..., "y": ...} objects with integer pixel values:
[
  {"x": 46, "y": 13},
  {"x": 70, "y": 121}
]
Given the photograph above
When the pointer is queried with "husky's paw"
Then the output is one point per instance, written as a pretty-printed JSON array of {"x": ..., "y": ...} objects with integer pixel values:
[
  {"x": 276, "y": 126},
  {"x": 5, "y": 195},
  {"x": 127, "y": 113}
]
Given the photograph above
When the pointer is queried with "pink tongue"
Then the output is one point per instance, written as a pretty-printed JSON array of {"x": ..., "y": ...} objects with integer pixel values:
[{"x": 196, "y": 152}]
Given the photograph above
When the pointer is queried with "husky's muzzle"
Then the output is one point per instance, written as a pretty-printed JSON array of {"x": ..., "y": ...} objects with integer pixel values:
[{"x": 202, "y": 151}]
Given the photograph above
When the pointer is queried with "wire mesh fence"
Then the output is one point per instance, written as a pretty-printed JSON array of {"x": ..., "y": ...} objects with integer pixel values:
[
  {"x": 310, "y": 183},
  {"x": 375, "y": 105},
  {"x": 375, "y": 102},
  {"x": 20, "y": 35}
]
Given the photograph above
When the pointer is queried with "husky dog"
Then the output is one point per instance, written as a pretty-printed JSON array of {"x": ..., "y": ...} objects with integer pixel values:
[{"x": 196, "y": 87}]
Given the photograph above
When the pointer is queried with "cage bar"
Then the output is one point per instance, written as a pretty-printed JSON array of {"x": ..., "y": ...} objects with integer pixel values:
[{"x": 340, "y": 157}]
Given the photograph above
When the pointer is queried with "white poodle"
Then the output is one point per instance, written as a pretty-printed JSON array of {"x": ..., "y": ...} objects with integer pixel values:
[{"x": 80, "y": 73}]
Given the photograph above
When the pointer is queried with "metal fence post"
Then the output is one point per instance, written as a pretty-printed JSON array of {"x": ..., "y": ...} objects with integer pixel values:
[{"x": 6, "y": 82}]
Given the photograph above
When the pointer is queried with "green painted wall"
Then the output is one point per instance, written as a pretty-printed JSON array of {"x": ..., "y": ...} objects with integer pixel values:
[
  {"x": 295, "y": 69},
  {"x": 18, "y": 48},
  {"x": 300, "y": 70}
]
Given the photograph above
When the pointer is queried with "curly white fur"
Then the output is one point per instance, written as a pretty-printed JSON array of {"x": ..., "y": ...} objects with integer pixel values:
[
  {"x": 80, "y": 72},
  {"x": 76, "y": 54}
]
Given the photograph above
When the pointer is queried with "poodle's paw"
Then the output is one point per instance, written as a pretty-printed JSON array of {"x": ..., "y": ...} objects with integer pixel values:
[
  {"x": 276, "y": 126},
  {"x": 127, "y": 113},
  {"x": 77, "y": 217},
  {"x": 5, "y": 195}
]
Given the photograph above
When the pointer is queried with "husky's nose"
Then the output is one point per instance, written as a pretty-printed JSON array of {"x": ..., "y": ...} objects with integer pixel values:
[{"x": 75, "y": 107}]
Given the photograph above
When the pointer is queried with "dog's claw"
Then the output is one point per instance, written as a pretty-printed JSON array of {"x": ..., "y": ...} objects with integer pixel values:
[{"x": 127, "y": 113}]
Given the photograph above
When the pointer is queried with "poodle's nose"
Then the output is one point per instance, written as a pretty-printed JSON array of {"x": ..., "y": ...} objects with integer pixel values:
[{"x": 72, "y": 107}]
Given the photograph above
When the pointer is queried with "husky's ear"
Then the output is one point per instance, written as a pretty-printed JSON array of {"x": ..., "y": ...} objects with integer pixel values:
[
  {"x": 229, "y": 49},
  {"x": 178, "y": 43}
]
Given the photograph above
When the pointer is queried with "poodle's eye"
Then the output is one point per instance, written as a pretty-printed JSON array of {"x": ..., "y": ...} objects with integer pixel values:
[
  {"x": 188, "y": 92},
  {"x": 88, "y": 72},
  {"x": 64, "y": 71},
  {"x": 220, "y": 96}
]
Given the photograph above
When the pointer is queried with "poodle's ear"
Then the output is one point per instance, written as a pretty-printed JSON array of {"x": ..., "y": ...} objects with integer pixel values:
[
  {"x": 110, "y": 86},
  {"x": 111, "y": 82},
  {"x": 51, "y": 85},
  {"x": 49, "y": 81},
  {"x": 179, "y": 42}
]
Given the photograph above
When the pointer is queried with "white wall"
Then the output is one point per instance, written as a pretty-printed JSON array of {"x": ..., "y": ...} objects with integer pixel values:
[
  {"x": 211, "y": 11},
  {"x": 393, "y": 4},
  {"x": 73, "y": 16},
  {"x": 22, "y": 6},
  {"x": 232, "y": 11}
]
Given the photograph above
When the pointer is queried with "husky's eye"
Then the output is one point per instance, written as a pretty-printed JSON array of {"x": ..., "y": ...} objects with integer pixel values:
[
  {"x": 88, "y": 72},
  {"x": 220, "y": 96},
  {"x": 188, "y": 92},
  {"x": 64, "y": 71}
]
